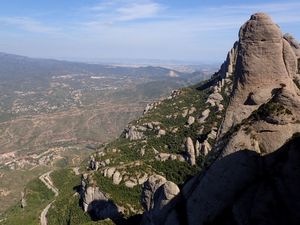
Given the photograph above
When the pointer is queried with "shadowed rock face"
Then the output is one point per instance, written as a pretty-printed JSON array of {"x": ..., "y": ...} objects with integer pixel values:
[
  {"x": 294, "y": 44},
  {"x": 243, "y": 188}
]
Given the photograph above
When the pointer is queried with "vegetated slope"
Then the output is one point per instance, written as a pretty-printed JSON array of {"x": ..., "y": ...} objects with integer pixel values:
[
  {"x": 51, "y": 110},
  {"x": 156, "y": 144},
  {"x": 37, "y": 197},
  {"x": 170, "y": 140}
]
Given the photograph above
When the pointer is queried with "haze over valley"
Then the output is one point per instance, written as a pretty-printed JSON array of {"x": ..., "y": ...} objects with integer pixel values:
[{"x": 53, "y": 113}]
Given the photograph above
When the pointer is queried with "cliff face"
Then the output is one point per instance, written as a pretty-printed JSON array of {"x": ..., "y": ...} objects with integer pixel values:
[
  {"x": 264, "y": 103},
  {"x": 264, "y": 61},
  {"x": 255, "y": 169}
]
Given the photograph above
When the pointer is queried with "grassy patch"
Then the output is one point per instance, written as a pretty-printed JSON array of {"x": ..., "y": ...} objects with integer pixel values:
[
  {"x": 66, "y": 209},
  {"x": 177, "y": 172},
  {"x": 268, "y": 109},
  {"x": 38, "y": 196},
  {"x": 120, "y": 194}
]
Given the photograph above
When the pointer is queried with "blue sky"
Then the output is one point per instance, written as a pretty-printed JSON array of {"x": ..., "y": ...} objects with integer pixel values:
[{"x": 195, "y": 30}]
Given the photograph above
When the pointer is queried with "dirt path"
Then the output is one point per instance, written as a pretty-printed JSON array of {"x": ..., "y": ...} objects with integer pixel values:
[{"x": 46, "y": 179}]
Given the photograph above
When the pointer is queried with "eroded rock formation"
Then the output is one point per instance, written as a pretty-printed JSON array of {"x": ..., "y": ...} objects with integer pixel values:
[
  {"x": 254, "y": 174},
  {"x": 264, "y": 62}
]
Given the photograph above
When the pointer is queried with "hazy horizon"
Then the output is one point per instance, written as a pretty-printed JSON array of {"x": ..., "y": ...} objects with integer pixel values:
[{"x": 135, "y": 29}]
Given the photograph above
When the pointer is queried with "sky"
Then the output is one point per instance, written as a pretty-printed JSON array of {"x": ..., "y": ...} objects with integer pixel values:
[{"x": 186, "y": 30}]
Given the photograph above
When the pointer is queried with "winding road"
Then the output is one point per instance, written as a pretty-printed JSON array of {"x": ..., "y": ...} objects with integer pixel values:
[{"x": 46, "y": 179}]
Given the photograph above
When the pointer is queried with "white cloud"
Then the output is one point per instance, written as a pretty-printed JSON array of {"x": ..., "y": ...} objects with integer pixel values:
[
  {"x": 27, "y": 24},
  {"x": 110, "y": 12},
  {"x": 101, "y": 6},
  {"x": 147, "y": 29},
  {"x": 202, "y": 33},
  {"x": 139, "y": 11}
]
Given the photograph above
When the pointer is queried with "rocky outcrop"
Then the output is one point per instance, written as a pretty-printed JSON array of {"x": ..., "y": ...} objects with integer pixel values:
[
  {"x": 241, "y": 188},
  {"x": 23, "y": 200},
  {"x": 265, "y": 61},
  {"x": 154, "y": 105},
  {"x": 161, "y": 156},
  {"x": 264, "y": 105},
  {"x": 92, "y": 194},
  {"x": 205, "y": 147},
  {"x": 161, "y": 132},
  {"x": 293, "y": 43},
  {"x": 269, "y": 127},
  {"x": 93, "y": 165},
  {"x": 117, "y": 178},
  {"x": 190, "y": 151},
  {"x": 214, "y": 99},
  {"x": 243, "y": 181},
  {"x": 162, "y": 202},
  {"x": 190, "y": 120},
  {"x": 89, "y": 193},
  {"x": 95, "y": 202},
  {"x": 151, "y": 106},
  {"x": 253, "y": 170},
  {"x": 133, "y": 134},
  {"x": 204, "y": 116},
  {"x": 149, "y": 188},
  {"x": 296, "y": 48}
]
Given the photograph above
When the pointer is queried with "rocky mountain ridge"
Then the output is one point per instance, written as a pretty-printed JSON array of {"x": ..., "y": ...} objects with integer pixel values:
[
  {"x": 255, "y": 176},
  {"x": 259, "y": 81}
]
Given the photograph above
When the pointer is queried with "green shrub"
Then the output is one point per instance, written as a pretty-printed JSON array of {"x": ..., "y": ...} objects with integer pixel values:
[{"x": 175, "y": 171}]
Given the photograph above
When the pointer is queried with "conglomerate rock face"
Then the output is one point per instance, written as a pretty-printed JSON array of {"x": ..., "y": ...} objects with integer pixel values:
[
  {"x": 265, "y": 61},
  {"x": 264, "y": 106}
]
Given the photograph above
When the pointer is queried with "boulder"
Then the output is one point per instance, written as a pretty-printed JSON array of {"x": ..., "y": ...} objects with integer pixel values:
[
  {"x": 110, "y": 172},
  {"x": 192, "y": 110},
  {"x": 117, "y": 178},
  {"x": 133, "y": 134},
  {"x": 185, "y": 112},
  {"x": 161, "y": 132},
  {"x": 164, "y": 195},
  {"x": 205, "y": 147},
  {"x": 190, "y": 151},
  {"x": 190, "y": 120},
  {"x": 92, "y": 194},
  {"x": 23, "y": 200},
  {"x": 149, "y": 188},
  {"x": 142, "y": 179},
  {"x": 204, "y": 116},
  {"x": 131, "y": 183}
]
